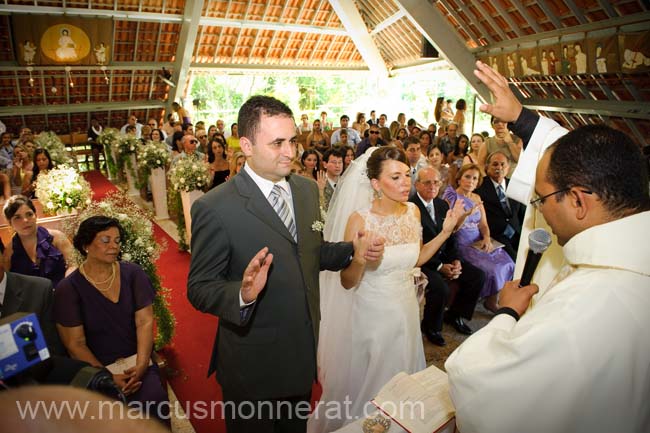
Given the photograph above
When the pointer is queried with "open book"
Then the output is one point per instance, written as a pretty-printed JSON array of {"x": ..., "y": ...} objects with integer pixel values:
[
  {"x": 419, "y": 403},
  {"x": 122, "y": 364},
  {"x": 495, "y": 244}
]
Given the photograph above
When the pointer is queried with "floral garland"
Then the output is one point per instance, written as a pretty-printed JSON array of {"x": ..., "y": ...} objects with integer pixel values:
[
  {"x": 59, "y": 155},
  {"x": 125, "y": 146},
  {"x": 151, "y": 156},
  {"x": 108, "y": 139},
  {"x": 63, "y": 189},
  {"x": 187, "y": 174},
  {"x": 138, "y": 246}
]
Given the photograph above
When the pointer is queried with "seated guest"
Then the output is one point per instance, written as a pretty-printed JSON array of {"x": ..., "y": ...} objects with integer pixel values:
[
  {"x": 104, "y": 312},
  {"x": 35, "y": 250},
  {"x": 333, "y": 160},
  {"x": 342, "y": 138},
  {"x": 176, "y": 144},
  {"x": 318, "y": 139},
  {"x": 444, "y": 266},
  {"x": 26, "y": 294},
  {"x": 236, "y": 163},
  {"x": 310, "y": 159},
  {"x": 349, "y": 156},
  {"x": 189, "y": 144},
  {"x": 353, "y": 135},
  {"x": 503, "y": 214},
  {"x": 373, "y": 140},
  {"x": 436, "y": 159},
  {"x": 233, "y": 140},
  {"x": 219, "y": 167},
  {"x": 474, "y": 242},
  {"x": 42, "y": 164},
  {"x": 23, "y": 167},
  {"x": 475, "y": 144}
]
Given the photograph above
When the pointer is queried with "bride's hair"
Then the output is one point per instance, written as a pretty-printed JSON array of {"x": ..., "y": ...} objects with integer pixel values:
[{"x": 382, "y": 154}]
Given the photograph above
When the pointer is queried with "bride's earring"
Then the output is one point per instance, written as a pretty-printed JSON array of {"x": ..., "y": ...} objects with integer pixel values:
[{"x": 378, "y": 194}]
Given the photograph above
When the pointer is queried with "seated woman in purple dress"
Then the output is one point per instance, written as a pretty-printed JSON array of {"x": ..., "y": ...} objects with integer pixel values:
[
  {"x": 35, "y": 250},
  {"x": 104, "y": 312},
  {"x": 473, "y": 236}
]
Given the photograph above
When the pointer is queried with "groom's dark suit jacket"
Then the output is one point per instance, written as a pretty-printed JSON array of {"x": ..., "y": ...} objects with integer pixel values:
[{"x": 272, "y": 352}]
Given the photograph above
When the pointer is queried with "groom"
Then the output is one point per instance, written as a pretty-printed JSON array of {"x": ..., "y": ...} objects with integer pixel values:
[{"x": 255, "y": 264}]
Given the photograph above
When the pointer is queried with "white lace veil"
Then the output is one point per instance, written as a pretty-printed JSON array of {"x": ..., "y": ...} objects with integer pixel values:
[{"x": 353, "y": 193}]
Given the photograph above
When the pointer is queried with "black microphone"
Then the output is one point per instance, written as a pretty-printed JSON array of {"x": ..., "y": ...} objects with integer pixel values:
[{"x": 538, "y": 241}]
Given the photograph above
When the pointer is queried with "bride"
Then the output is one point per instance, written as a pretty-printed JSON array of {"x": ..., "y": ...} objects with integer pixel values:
[{"x": 371, "y": 332}]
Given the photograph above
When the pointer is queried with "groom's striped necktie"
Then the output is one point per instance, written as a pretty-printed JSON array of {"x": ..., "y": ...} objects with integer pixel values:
[{"x": 281, "y": 207}]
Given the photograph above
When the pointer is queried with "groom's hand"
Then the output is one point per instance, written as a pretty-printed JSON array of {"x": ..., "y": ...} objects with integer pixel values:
[
  {"x": 255, "y": 274},
  {"x": 375, "y": 249}
]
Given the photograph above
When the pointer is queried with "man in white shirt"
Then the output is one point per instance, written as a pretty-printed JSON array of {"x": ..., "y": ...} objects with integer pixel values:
[
  {"x": 573, "y": 357},
  {"x": 133, "y": 121},
  {"x": 353, "y": 134}
]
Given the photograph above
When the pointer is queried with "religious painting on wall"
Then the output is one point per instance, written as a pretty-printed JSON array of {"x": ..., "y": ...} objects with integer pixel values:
[
  {"x": 494, "y": 61},
  {"x": 512, "y": 67},
  {"x": 634, "y": 49},
  {"x": 528, "y": 61},
  {"x": 549, "y": 59},
  {"x": 603, "y": 55},
  {"x": 42, "y": 40}
]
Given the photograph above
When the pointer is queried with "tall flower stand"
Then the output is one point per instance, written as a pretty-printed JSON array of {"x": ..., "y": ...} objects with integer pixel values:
[
  {"x": 159, "y": 192},
  {"x": 130, "y": 178},
  {"x": 111, "y": 149},
  {"x": 188, "y": 198}
]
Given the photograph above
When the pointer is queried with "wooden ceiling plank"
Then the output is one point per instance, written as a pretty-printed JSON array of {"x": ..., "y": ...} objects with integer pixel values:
[
  {"x": 575, "y": 10},
  {"x": 488, "y": 17},
  {"x": 549, "y": 14},
  {"x": 508, "y": 19},
  {"x": 458, "y": 19},
  {"x": 608, "y": 8},
  {"x": 523, "y": 11},
  {"x": 474, "y": 20}
]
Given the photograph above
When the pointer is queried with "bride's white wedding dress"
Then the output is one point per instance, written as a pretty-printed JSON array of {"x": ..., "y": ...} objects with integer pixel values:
[{"x": 369, "y": 333}]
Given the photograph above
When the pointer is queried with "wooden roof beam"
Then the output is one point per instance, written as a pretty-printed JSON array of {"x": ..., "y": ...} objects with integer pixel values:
[
  {"x": 432, "y": 25},
  {"x": 185, "y": 48},
  {"x": 356, "y": 29},
  {"x": 625, "y": 109}
]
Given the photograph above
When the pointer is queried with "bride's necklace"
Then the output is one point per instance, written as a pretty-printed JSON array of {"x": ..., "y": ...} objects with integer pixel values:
[{"x": 108, "y": 282}]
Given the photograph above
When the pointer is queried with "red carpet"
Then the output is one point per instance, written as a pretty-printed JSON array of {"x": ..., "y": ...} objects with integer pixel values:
[{"x": 189, "y": 354}]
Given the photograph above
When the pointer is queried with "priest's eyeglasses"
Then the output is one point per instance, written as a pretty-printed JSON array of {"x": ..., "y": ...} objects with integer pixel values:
[{"x": 538, "y": 202}]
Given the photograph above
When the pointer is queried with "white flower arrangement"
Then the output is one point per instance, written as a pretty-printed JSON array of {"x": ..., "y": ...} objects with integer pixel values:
[
  {"x": 109, "y": 138},
  {"x": 153, "y": 155},
  {"x": 52, "y": 143},
  {"x": 188, "y": 174},
  {"x": 125, "y": 146},
  {"x": 63, "y": 188}
]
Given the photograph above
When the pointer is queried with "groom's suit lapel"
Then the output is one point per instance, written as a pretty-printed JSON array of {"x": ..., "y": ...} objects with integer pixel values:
[{"x": 259, "y": 205}]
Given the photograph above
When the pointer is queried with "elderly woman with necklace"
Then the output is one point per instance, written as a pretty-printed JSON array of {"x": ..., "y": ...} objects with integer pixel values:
[{"x": 104, "y": 312}]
